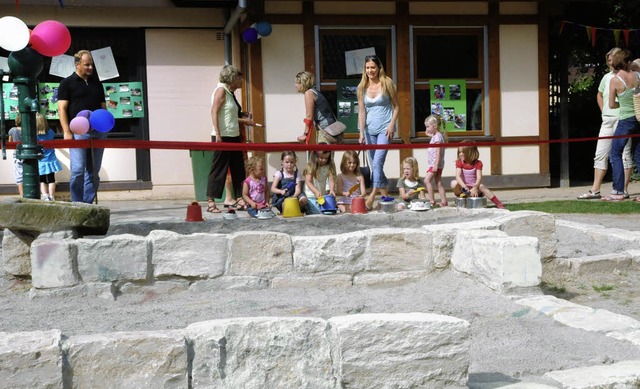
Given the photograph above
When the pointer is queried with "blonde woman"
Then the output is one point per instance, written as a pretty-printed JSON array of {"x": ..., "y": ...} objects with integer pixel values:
[
  {"x": 377, "y": 115},
  {"x": 318, "y": 112}
]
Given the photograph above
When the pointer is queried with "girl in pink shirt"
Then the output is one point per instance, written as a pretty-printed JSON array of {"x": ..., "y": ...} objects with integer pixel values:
[
  {"x": 254, "y": 188},
  {"x": 468, "y": 180}
]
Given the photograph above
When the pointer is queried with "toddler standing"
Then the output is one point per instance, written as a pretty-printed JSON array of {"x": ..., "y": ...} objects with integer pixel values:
[
  {"x": 349, "y": 178},
  {"x": 254, "y": 188},
  {"x": 48, "y": 165},
  {"x": 15, "y": 135},
  {"x": 409, "y": 182},
  {"x": 469, "y": 175},
  {"x": 287, "y": 182},
  {"x": 319, "y": 170},
  {"x": 435, "y": 161}
]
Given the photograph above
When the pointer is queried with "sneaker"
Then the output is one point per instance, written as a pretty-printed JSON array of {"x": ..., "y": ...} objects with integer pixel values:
[
  {"x": 626, "y": 195},
  {"x": 45, "y": 197}
]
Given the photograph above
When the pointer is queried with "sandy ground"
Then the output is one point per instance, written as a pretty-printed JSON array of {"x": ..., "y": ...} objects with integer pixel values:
[{"x": 509, "y": 343}]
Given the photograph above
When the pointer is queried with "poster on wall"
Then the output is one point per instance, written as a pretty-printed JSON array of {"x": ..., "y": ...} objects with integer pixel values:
[
  {"x": 347, "y": 100},
  {"x": 449, "y": 101},
  {"x": 124, "y": 99}
]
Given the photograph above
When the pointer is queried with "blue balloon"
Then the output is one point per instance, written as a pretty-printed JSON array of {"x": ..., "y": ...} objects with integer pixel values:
[
  {"x": 264, "y": 28},
  {"x": 250, "y": 35},
  {"x": 102, "y": 120}
]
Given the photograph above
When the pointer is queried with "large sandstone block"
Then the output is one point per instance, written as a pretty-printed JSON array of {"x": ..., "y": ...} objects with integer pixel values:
[
  {"x": 53, "y": 263},
  {"x": 195, "y": 255},
  {"x": 40, "y": 216},
  {"x": 625, "y": 374},
  {"x": 396, "y": 250},
  {"x": 343, "y": 253},
  {"x": 531, "y": 223},
  {"x": 114, "y": 258},
  {"x": 261, "y": 352},
  {"x": 406, "y": 350},
  {"x": 31, "y": 360},
  {"x": 462, "y": 248},
  {"x": 444, "y": 238},
  {"x": 127, "y": 360},
  {"x": 259, "y": 253},
  {"x": 501, "y": 263},
  {"x": 16, "y": 252}
]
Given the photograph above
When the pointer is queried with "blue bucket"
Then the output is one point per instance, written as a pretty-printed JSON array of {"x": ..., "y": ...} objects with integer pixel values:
[{"x": 329, "y": 206}]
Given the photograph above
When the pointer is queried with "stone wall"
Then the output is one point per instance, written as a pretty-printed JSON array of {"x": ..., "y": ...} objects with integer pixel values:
[
  {"x": 358, "y": 351},
  {"x": 491, "y": 250}
]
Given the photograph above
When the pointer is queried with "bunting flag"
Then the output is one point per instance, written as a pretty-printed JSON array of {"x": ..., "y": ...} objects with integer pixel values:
[
  {"x": 626, "y": 36},
  {"x": 592, "y": 32}
]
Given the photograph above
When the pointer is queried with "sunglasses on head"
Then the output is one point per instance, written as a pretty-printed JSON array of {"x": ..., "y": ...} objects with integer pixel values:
[{"x": 371, "y": 58}]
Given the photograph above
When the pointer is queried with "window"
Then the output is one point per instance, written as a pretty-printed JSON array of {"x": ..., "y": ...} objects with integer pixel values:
[
  {"x": 455, "y": 55},
  {"x": 333, "y": 43}
]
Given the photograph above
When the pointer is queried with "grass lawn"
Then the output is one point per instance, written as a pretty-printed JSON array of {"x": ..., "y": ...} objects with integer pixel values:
[{"x": 578, "y": 206}]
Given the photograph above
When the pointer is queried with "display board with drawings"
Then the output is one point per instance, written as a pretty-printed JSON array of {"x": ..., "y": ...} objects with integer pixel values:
[{"x": 124, "y": 99}]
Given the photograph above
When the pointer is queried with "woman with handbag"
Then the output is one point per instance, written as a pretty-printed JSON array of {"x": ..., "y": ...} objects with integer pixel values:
[
  {"x": 377, "y": 116},
  {"x": 319, "y": 114},
  {"x": 622, "y": 87}
]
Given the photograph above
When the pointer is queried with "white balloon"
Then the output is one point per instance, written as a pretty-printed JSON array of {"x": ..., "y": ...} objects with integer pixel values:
[{"x": 14, "y": 34}]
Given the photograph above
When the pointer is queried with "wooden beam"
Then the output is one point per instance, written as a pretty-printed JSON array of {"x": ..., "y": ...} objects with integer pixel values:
[
  {"x": 403, "y": 83},
  {"x": 543, "y": 86},
  {"x": 494, "y": 85}
]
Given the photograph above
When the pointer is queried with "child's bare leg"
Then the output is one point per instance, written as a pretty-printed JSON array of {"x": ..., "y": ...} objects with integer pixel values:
[
  {"x": 456, "y": 188},
  {"x": 441, "y": 191},
  {"x": 342, "y": 208},
  {"x": 20, "y": 190},
  {"x": 428, "y": 183},
  {"x": 43, "y": 189},
  {"x": 489, "y": 194},
  {"x": 52, "y": 190},
  {"x": 228, "y": 191}
]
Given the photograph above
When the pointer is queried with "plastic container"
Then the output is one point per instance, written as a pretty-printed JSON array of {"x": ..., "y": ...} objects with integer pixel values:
[{"x": 358, "y": 206}]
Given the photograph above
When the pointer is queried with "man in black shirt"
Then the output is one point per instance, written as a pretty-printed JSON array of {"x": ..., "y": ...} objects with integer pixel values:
[{"x": 82, "y": 91}]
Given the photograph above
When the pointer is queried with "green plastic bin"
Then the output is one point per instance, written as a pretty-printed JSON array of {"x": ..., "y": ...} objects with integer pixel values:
[{"x": 201, "y": 165}]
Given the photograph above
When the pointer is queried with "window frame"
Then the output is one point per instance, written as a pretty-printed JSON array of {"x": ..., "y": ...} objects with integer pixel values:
[
  {"x": 477, "y": 83},
  {"x": 328, "y": 86}
]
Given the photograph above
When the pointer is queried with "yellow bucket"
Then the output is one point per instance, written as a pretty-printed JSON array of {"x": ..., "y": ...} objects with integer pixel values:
[{"x": 291, "y": 207}]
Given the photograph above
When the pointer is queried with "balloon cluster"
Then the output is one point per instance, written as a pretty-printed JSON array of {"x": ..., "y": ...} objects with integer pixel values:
[
  {"x": 50, "y": 38},
  {"x": 100, "y": 120},
  {"x": 256, "y": 31}
]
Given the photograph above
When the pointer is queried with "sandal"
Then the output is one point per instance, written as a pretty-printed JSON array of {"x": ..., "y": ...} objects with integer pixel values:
[
  {"x": 212, "y": 208},
  {"x": 590, "y": 196},
  {"x": 636, "y": 199},
  {"x": 613, "y": 198},
  {"x": 445, "y": 204}
]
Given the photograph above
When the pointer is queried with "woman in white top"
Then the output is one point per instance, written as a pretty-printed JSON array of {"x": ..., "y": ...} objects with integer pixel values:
[{"x": 226, "y": 128}]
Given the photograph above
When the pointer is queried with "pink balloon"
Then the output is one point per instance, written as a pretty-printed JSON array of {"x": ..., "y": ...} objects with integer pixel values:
[
  {"x": 79, "y": 125},
  {"x": 50, "y": 38}
]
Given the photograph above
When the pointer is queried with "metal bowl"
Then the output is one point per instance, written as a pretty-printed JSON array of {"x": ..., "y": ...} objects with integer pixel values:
[
  {"x": 461, "y": 202},
  {"x": 476, "y": 202},
  {"x": 388, "y": 206}
]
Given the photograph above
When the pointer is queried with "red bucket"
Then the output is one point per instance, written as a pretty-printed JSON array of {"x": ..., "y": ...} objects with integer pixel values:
[
  {"x": 358, "y": 205},
  {"x": 194, "y": 212}
]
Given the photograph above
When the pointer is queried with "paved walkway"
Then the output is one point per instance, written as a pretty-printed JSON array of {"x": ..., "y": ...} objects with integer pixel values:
[{"x": 123, "y": 211}]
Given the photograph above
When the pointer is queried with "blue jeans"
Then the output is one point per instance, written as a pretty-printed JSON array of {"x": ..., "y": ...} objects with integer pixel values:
[
  {"x": 83, "y": 183},
  {"x": 625, "y": 127},
  {"x": 377, "y": 158}
]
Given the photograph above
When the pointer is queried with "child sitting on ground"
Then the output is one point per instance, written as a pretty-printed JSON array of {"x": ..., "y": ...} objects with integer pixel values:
[
  {"x": 49, "y": 164},
  {"x": 468, "y": 180},
  {"x": 319, "y": 170},
  {"x": 287, "y": 182},
  {"x": 409, "y": 182},
  {"x": 254, "y": 188},
  {"x": 350, "y": 180}
]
